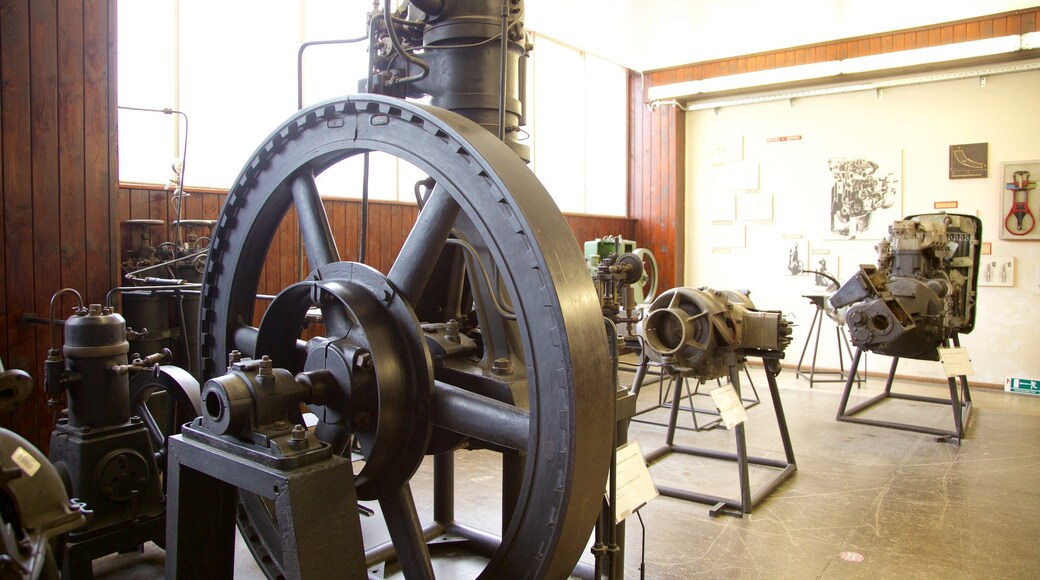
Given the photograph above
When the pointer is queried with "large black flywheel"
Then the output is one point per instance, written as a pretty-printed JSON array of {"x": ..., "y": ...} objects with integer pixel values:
[{"x": 485, "y": 333}]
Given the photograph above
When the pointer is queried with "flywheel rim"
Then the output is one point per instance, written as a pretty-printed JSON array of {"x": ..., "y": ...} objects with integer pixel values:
[{"x": 557, "y": 313}]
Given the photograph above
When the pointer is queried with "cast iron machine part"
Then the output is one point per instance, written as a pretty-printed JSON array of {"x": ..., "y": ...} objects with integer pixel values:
[
  {"x": 920, "y": 297},
  {"x": 708, "y": 334},
  {"x": 645, "y": 289},
  {"x": 485, "y": 333},
  {"x": 145, "y": 253},
  {"x": 922, "y": 290},
  {"x": 693, "y": 328},
  {"x": 614, "y": 277},
  {"x": 35, "y": 510},
  {"x": 469, "y": 56},
  {"x": 104, "y": 454},
  {"x": 15, "y": 386}
]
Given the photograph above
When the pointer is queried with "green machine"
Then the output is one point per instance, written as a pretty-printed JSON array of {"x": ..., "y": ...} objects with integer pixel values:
[{"x": 602, "y": 253}]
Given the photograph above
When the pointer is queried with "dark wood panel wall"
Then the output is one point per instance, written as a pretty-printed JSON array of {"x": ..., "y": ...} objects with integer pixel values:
[
  {"x": 57, "y": 174},
  {"x": 657, "y": 179},
  {"x": 390, "y": 224},
  {"x": 657, "y": 149}
]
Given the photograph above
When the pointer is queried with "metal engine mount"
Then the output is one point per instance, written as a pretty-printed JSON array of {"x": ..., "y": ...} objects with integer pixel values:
[
  {"x": 695, "y": 328},
  {"x": 922, "y": 290}
]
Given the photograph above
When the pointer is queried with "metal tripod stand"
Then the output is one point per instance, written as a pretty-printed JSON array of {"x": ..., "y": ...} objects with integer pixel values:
[
  {"x": 748, "y": 499},
  {"x": 959, "y": 401}
]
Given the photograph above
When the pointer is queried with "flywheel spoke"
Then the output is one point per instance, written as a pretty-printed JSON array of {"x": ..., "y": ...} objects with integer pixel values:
[
  {"x": 402, "y": 521},
  {"x": 418, "y": 257},
  {"x": 314, "y": 223},
  {"x": 480, "y": 417}
]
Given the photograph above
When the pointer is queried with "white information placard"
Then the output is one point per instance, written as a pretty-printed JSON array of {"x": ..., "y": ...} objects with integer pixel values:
[
  {"x": 731, "y": 408},
  {"x": 955, "y": 361},
  {"x": 635, "y": 487}
]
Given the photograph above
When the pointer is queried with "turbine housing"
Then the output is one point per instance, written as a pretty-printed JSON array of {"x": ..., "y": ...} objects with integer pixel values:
[{"x": 695, "y": 329}]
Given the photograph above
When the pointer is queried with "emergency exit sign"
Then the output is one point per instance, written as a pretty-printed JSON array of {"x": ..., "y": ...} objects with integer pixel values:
[{"x": 1030, "y": 386}]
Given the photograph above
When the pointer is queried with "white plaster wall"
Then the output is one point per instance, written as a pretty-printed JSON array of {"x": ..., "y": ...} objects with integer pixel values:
[{"x": 922, "y": 122}]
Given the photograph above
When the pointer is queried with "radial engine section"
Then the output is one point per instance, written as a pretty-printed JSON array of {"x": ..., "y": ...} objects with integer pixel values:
[
  {"x": 695, "y": 330},
  {"x": 922, "y": 290}
]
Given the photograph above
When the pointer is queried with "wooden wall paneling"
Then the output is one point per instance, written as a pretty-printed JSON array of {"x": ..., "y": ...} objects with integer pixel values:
[
  {"x": 1028, "y": 23},
  {"x": 643, "y": 229},
  {"x": 46, "y": 241},
  {"x": 400, "y": 231},
  {"x": 139, "y": 201},
  {"x": 960, "y": 32},
  {"x": 386, "y": 239},
  {"x": 105, "y": 243},
  {"x": 123, "y": 214},
  {"x": 659, "y": 186},
  {"x": 350, "y": 231},
  {"x": 372, "y": 243},
  {"x": 18, "y": 210},
  {"x": 635, "y": 140},
  {"x": 3, "y": 241},
  {"x": 71, "y": 164},
  {"x": 973, "y": 31},
  {"x": 388, "y": 234},
  {"x": 678, "y": 198},
  {"x": 159, "y": 208},
  {"x": 1014, "y": 24},
  {"x": 338, "y": 220}
]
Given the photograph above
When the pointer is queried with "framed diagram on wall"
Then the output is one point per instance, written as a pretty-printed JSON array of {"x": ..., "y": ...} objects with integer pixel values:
[
  {"x": 865, "y": 196},
  {"x": 1020, "y": 200},
  {"x": 997, "y": 271},
  {"x": 796, "y": 254}
]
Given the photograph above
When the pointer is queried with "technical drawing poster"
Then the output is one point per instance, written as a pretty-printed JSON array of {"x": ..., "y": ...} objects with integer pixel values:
[
  {"x": 969, "y": 160},
  {"x": 865, "y": 195}
]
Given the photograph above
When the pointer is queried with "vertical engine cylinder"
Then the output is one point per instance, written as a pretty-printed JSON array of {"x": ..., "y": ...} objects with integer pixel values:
[{"x": 95, "y": 339}]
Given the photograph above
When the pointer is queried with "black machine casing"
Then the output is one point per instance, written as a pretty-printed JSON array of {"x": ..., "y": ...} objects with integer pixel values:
[
  {"x": 922, "y": 290},
  {"x": 104, "y": 455}
]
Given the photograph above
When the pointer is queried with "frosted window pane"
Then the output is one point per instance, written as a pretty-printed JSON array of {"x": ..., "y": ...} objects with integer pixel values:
[
  {"x": 147, "y": 141},
  {"x": 606, "y": 137},
  {"x": 333, "y": 70},
  {"x": 237, "y": 80},
  {"x": 560, "y": 146}
]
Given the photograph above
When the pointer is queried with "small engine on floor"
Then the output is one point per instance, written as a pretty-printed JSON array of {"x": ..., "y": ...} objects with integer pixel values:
[
  {"x": 695, "y": 328},
  {"x": 922, "y": 290},
  {"x": 108, "y": 456}
]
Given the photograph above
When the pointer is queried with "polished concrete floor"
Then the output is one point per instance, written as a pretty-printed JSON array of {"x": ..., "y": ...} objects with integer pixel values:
[{"x": 866, "y": 501}]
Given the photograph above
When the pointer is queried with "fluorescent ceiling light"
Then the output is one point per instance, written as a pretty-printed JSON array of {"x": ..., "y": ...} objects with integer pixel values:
[
  {"x": 1031, "y": 40},
  {"x": 932, "y": 54},
  {"x": 862, "y": 64}
]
